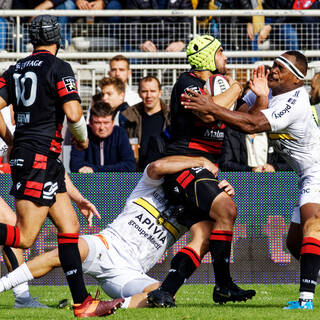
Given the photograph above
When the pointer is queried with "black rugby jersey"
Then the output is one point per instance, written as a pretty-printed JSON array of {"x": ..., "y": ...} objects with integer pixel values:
[
  {"x": 189, "y": 134},
  {"x": 38, "y": 86}
]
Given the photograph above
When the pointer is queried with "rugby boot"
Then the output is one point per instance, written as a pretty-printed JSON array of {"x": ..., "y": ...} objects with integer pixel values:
[
  {"x": 302, "y": 305},
  {"x": 160, "y": 299},
  {"x": 28, "y": 302},
  {"x": 231, "y": 292},
  {"x": 96, "y": 308}
]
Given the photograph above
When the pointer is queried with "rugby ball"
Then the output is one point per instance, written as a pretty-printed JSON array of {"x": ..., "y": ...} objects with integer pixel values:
[{"x": 217, "y": 84}]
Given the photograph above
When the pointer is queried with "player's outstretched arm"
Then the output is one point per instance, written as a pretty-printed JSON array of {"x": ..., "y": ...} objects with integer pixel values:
[
  {"x": 173, "y": 164},
  {"x": 229, "y": 97},
  {"x": 249, "y": 123}
]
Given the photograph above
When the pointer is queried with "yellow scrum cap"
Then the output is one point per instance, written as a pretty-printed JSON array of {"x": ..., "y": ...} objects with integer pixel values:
[{"x": 201, "y": 52}]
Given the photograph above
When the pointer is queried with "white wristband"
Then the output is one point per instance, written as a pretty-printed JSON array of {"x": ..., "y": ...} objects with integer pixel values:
[{"x": 79, "y": 129}]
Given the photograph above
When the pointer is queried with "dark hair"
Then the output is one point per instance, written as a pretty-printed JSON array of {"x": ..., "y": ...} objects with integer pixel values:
[
  {"x": 120, "y": 57},
  {"x": 147, "y": 79},
  {"x": 301, "y": 60},
  {"x": 100, "y": 108},
  {"x": 117, "y": 83}
]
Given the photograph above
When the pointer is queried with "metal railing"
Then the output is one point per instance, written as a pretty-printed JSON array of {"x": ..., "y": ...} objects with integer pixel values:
[{"x": 88, "y": 46}]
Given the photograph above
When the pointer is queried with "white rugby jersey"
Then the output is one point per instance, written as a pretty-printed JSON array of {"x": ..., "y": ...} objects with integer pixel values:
[
  {"x": 294, "y": 132},
  {"x": 142, "y": 237}
]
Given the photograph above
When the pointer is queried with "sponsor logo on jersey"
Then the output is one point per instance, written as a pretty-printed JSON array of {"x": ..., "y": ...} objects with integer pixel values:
[
  {"x": 16, "y": 162},
  {"x": 18, "y": 185},
  {"x": 147, "y": 228},
  {"x": 193, "y": 88},
  {"x": 71, "y": 272},
  {"x": 292, "y": 101},
  {"x": 50, "y": 190},
  {"x": 159, "y": 198},
  {"x": 305, "y": 190},
  {"x": 70, "y": 84},
  {"x": 282, "y": 112},
  {"x": 22, "y": 118},
  {"x": 211, "y": 133}
]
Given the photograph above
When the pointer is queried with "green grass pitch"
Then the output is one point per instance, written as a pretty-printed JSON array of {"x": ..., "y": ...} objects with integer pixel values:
[{"x": 193, "y": 302}]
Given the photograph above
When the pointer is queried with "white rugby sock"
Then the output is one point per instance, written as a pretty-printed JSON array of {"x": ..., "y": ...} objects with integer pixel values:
[
  {"x": 304, "y": 295},
  {"x": 18, "y": 276},
  {"x": 126, "y": 303},
  {"x": 21, "y": 290}
]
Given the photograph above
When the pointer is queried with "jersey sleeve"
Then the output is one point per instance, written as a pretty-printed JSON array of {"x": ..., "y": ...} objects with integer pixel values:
[
  {"x": 150, "y": 182},
  {"x": 283, "y": 114},
  {"x": 66, "y": 83},
  {"x": 249, "y": 98}
]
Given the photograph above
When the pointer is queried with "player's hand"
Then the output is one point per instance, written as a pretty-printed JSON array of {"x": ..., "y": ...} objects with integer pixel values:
[
  {"x": 259, "y": 82},
  {"x": 88, "y": 209},
  {"x": 224, "y": 184},
  {"x": 80, "y": 145},
  {"x": 196, "y": 101},
  {"x": 211, "y": 167}
]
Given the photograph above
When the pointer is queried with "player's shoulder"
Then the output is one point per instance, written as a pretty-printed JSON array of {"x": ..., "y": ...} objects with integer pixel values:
[{"x": 62, "y": 63}]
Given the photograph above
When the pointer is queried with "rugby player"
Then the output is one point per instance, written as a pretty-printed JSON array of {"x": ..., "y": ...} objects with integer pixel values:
[
  {"x": 194, "y": 134},
  {"x": 286, "y": 114},
  {"x": 42, "y": 90}
]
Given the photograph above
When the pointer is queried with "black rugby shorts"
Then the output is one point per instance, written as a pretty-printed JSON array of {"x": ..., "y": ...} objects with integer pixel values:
[
  {"x": 200, "y": 188},
  {"x": 36, "y": 177}
]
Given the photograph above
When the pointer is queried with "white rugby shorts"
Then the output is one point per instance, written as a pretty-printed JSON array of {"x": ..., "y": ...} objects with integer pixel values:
[
  {"x": 310, "y": 193},
  {"x": 118, "y": 275}
]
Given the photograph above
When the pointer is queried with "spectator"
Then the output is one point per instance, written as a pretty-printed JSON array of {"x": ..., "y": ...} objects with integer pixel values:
[
  {"x": 99, "y": 5},
  {"x": 315, "y": 97},
  {"x": 232, "y": 29},
  {"x": 249, "y": 152},
  {"x": 310, "y": 25},
  {"x": 109, "y": 148},
  {"x": 284, "y": 34},
  {"x": 112, "y": 91},
  {"x": 119, "y": 67},
  {"x": 146, "y": 119},
  {"x": 158, "y": 33},
  {"x": 47, "y": 5}
]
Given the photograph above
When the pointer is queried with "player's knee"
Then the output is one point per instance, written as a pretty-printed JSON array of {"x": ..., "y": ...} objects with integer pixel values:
[
  {"x": 228, "y": 212},
  {"x": 70, "y": 227}
]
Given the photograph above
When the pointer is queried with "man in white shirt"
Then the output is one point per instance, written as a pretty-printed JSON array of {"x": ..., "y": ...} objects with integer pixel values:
[
  {"x": 287, "y": 116},
  {"x": 119, "y": 67}
]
